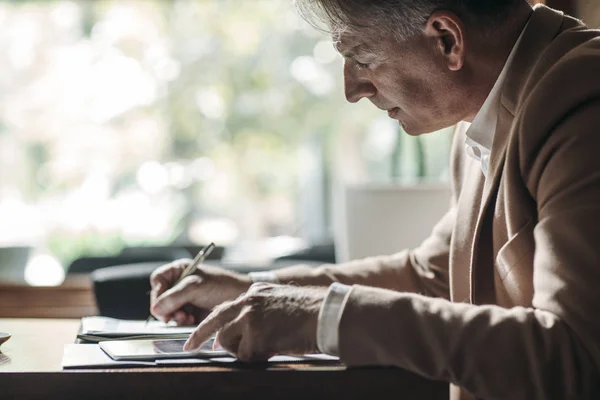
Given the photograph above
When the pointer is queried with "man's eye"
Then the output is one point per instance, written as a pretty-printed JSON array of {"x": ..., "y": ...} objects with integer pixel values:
[{"x": 359, "y": 66}]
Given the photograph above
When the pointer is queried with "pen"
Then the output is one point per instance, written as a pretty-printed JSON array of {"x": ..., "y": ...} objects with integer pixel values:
[{"x": 191, "y": 268}]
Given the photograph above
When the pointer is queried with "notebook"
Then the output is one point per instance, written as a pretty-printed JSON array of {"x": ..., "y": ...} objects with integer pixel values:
[{"x": 95, "y": 329}]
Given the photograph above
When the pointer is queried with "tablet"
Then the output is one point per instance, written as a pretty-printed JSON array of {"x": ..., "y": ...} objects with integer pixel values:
[{"x": 125, "y": 350}]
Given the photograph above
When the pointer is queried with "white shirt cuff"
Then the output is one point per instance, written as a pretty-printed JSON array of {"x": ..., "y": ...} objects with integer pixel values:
[
  {"x": 263, "y": 276},
  {"x": 330, "y": 315}
]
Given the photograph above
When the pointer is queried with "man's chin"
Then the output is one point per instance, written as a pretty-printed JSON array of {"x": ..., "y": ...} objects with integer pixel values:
[
  {"x": 416, "y": 130},
  {"x": 412, "y": 127},
  {"x": 411, "y": 130}
]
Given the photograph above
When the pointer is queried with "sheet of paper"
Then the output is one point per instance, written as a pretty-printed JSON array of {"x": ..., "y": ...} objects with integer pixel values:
[
  {"x": 111, "y": 327},
  {"x": 283, "y": 359},
  {"x": 83, "y": 356},
  {"x": 91, "y": 356}
]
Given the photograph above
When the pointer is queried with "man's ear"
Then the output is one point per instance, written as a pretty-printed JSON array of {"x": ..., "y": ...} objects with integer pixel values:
[{"x": 448, "y": 33}]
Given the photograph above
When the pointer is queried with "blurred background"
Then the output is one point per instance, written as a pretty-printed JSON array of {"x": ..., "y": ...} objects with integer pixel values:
[{"x": 140, "y": 123}]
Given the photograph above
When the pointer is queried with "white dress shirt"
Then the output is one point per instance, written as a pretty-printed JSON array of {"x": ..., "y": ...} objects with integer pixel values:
[
  {"x": 480, "y": 136},
  {"x": 480, "y": 133}
]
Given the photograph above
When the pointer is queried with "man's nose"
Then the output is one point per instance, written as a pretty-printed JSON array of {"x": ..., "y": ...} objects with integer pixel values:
[{"x": 356, "y": 87}]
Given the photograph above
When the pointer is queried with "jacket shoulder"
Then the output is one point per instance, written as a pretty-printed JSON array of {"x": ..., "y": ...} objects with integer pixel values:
[
  {"x": 567, "y": 83},
  {"x": 567, "y": 73}
]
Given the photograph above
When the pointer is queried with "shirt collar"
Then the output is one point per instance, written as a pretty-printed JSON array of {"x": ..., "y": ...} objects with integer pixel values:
[{"x": 483, "y": 127}]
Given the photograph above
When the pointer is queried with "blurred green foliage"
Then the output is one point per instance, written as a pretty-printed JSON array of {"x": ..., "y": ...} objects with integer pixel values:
[{"x": 245, "y": 84}]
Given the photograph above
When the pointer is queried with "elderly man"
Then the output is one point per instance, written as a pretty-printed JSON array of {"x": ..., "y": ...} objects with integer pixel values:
[{"x": 502, "y": 299}]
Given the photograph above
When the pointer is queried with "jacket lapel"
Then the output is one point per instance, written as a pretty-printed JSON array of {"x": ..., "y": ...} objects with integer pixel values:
[
  {"x": 481, "y": 278},
  {"x": 543, "y": 27}
]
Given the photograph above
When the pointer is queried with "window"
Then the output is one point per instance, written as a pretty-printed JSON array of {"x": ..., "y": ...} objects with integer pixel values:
[{"x": 150, "y": 122}]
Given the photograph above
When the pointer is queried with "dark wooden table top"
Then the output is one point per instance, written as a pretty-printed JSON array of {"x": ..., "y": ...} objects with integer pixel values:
[{"x": 30, "y": 367}]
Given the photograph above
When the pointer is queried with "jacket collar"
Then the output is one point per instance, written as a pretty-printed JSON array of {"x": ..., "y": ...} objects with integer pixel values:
[{"x": 543, "y": 27}]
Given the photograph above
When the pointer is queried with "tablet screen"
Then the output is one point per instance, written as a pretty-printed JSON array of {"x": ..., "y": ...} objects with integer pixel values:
[{"x": 155, "y": 349}]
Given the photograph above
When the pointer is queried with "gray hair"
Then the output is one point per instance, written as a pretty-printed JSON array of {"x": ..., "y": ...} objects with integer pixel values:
[{"x": 399, "y": 18}]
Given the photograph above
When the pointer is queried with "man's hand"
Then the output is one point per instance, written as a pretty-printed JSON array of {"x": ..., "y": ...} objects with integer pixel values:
[
  {"x": 266, "y": 320},
  {"x": 190, "y": 301}
]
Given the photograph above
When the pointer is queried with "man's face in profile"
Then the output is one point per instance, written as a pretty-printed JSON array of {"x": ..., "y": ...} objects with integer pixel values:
[{"x": 407, "y": 79}]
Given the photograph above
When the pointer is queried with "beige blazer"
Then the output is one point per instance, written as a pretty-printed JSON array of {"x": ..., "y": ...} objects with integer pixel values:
[{"x": 504, "y": 296}]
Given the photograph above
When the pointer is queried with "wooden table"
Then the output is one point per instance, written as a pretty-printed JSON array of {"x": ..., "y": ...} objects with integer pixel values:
[{"x": 30, "y": 367}]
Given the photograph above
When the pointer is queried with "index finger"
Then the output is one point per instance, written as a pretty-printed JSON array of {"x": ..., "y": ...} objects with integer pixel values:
[
  {"x": 165, "y": 276},
  {"x": 220, "y": 317}
]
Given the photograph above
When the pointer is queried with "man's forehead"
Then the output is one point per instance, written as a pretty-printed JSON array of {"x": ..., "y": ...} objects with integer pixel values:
[{"x": 348, "y": 44}]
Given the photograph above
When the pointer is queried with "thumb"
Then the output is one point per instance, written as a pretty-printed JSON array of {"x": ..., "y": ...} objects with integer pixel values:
[
  {"x": 155, "y": 292},
  {"x": 176, "y": 297}
]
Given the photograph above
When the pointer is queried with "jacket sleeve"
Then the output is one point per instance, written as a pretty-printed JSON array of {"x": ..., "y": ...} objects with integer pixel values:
[
  {"x": 548, "y": 351},
  {"x": 423, "y": 270}
]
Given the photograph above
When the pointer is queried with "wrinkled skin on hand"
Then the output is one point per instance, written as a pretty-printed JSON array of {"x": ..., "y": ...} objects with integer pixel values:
[
  {"x": 266, "y": 320},
  {"x": 191, "y": 300}
]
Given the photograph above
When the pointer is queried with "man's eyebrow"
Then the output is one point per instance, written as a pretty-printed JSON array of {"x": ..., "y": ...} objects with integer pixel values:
[{"x": 351, "y": 52}]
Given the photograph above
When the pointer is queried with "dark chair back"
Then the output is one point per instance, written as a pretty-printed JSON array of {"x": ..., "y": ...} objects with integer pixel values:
[
  {"x": 121, "y": 291},
  {"x": 88, "y": 264}
]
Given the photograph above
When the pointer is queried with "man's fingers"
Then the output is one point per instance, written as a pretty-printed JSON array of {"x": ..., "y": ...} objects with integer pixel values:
[
  {"x": 252, "y": 349},
  {"x": 164, "y": 276},
  {"x": 216, "y": 343},
  {"x": 222, "y": 315},
  {"x": 187, "y": 317},
  {"x": 176, "y": 297},
  {"x": 180, "y": 317},
  {"x": 156, "y": 291},
  {"x": 189, "y": 320},
  {"x": 230, "y": 336}
]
